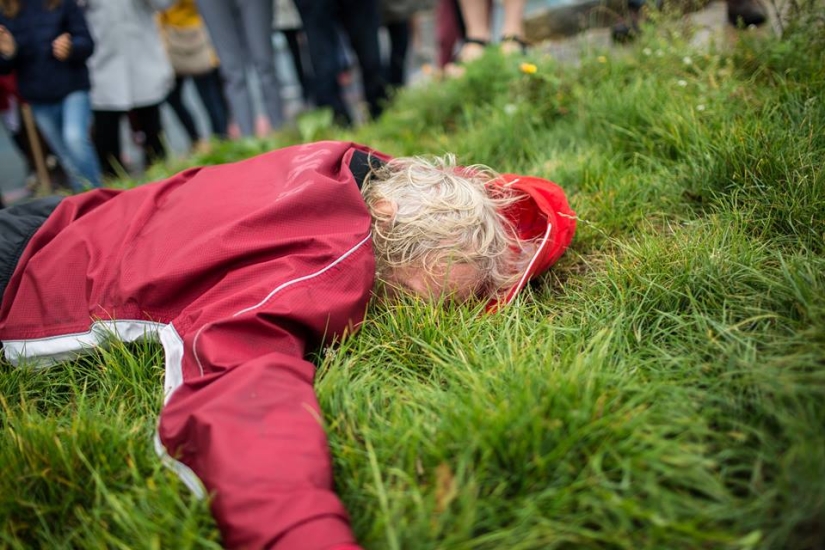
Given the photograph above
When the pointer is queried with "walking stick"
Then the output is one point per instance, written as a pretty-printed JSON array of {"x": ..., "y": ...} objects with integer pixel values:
[{"x": 45, "y": 187}]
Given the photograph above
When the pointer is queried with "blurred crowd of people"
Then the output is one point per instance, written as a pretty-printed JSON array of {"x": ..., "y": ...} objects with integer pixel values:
[{"x": 82, "y": 67}]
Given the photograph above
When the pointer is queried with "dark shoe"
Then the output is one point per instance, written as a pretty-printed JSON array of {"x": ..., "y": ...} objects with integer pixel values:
[
  {"x": 625, "y": 32},
  {"x": 746, "y": 13},
  {"x": 471, "y": 50},
  {"x": 628, "y": 29},
  {"x": 511, "y": 44}
]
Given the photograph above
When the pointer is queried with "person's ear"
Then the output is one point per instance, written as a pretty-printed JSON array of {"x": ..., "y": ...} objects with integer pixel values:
[{"x": 384, "y": 210}]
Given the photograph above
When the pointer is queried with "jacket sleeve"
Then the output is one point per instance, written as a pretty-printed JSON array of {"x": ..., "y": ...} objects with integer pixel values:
[
  {"x": 82, "y": 43},
  {"x": 246, "y": 421},
  {"x": 6, "y": 65},
  {"x": 253, "y": 436},
  {"x": 22, "y": 49}
]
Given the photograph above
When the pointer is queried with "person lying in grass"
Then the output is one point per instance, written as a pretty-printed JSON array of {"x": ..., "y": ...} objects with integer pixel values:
[{"x": 239, "y": 270}]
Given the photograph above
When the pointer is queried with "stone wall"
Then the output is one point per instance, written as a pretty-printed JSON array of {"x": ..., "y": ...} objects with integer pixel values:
[{"x": 568, "y": 19}]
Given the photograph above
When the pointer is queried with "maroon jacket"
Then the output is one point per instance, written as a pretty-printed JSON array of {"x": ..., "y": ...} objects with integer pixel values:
[{"x": 238, "y": 270}]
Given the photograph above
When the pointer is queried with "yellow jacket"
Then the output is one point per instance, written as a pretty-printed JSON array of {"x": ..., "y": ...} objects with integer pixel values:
[{"x": 184, "y": 13}]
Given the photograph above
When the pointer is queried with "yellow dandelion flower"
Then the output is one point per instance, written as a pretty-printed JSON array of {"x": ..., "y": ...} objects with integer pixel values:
[
  {"x": 601, "y": 59},
  {"x": 528, "y": 68}
]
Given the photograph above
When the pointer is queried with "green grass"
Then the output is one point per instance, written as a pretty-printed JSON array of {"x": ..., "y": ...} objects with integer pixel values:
[{"x": 662, "y": 388}]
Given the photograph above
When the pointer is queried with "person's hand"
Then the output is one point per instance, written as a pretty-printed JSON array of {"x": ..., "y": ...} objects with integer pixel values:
[
  {"x": 8, "y": 47},
  {"x": 62, "y": 46}
]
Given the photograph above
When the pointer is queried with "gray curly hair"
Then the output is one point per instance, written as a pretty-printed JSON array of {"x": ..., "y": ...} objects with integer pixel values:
[{"x": 442, "y": 215}]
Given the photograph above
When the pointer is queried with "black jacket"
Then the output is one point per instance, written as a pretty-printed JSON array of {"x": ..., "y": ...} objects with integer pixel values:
[{"x": 42, "y": 78}]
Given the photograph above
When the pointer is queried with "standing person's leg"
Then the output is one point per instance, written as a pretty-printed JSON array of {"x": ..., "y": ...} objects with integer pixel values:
[
  {"x": 322, "y": 42},
  {"x": 21, "y": 139},
  {"x": 362, "y": 19},
  {"x": 107, "y": 141},
  {"x": 476, "y": 17},
  {"x": 209, "y": 90},
  {"x": 256, "y": 16},
  {"x": 223, "y": 19},
  {"x": 293, "y": 40},
  {"x": 49, "y": 119},
  {"x": 77, "y": 120},
  {"x": 19, "y": 136},
  {"x": 148, "y": 118},
  {"x": 512, "y": 29},
  {"x": 175, "y": 100},
  {"x": 449, "y": 29},
  {"x": 399, "y": 32}
]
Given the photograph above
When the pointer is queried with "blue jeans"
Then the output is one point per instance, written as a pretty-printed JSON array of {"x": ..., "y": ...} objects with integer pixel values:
[{"x": 65, "y": 125}]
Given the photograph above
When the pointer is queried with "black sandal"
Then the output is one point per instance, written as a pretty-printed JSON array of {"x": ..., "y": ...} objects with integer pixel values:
[
  {"x": 455, "y": 68},
  {"x": 475, "y": 41},
  {"x": 517, "y": 40},
  {"x": 479, "y": 41}
]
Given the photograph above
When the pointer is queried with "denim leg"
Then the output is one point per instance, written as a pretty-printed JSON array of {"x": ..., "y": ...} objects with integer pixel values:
[
  {"x": 223, "y": 19},
  {"x": 256, "y": 17},
  {"x": 77, "y": 122},
  {"x": 49, "y": 118},
  {"x": 209, "y": 90}
]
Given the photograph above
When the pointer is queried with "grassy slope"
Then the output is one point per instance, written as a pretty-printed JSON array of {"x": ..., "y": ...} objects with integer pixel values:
[{"x": 662, "y": 388}]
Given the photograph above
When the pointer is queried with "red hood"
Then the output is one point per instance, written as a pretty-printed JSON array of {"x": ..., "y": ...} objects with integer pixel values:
[{"x": 543, "y": 217}]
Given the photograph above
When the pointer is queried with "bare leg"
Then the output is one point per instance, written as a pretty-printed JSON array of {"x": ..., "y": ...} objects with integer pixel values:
[
  {"x": 476, "y": 14},
  {"x": 512, "y": 30}
]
